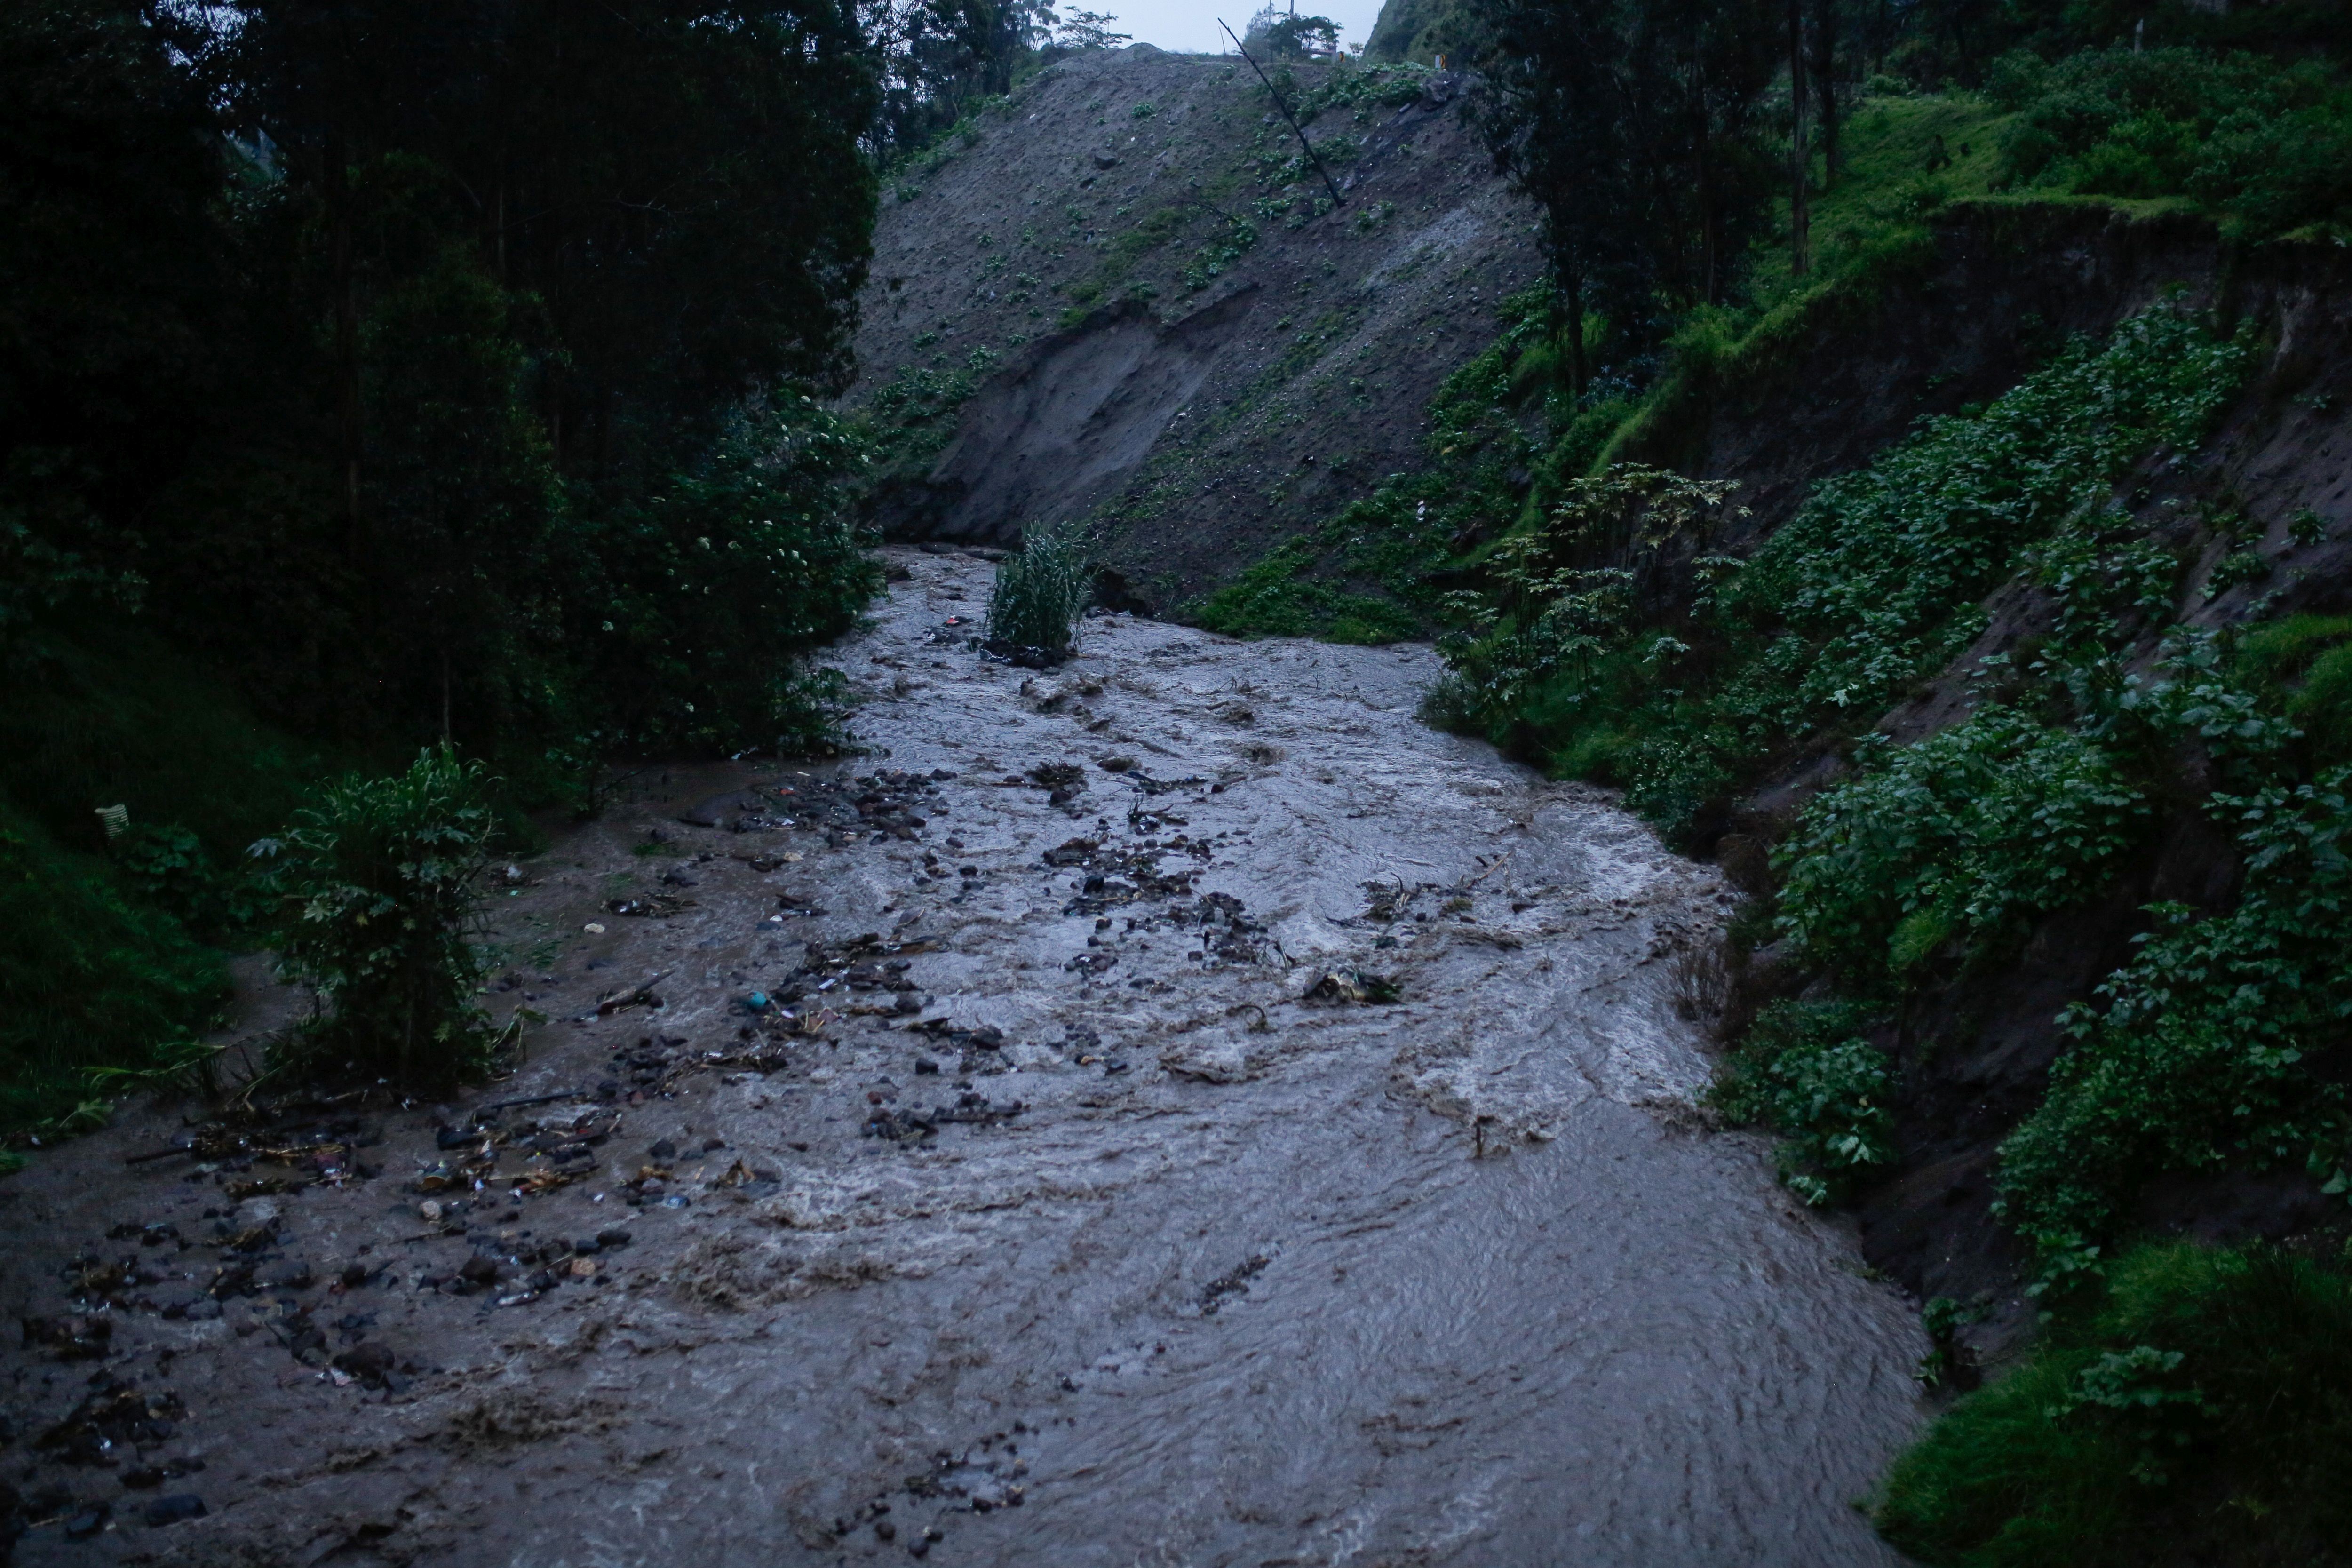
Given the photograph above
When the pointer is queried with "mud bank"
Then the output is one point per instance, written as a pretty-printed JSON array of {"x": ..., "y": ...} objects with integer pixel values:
[{"x": 1088, "y": 1207}]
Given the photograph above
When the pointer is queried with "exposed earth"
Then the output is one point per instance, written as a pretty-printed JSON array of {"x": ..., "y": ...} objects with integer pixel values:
[
  {"x": 1126, "y": 299},
  {"x": 1175, "y": 1108}
]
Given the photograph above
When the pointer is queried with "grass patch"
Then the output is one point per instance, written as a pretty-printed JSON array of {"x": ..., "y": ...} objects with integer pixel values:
[
  {"x": 109, "y": 958},
  {"x": 134, "y": 721},
  {"x": 1805, "y": 1070},
  {"x": 2200, "y": 1411},
  {"x": 89, "y": 978},
  {"x": 1276, "y": 596}
]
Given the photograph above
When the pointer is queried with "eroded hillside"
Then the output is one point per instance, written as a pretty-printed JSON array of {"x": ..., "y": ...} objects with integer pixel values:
[{"x": 1128, "y": 298}]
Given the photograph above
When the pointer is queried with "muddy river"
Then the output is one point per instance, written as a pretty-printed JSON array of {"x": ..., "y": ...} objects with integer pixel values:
[{"x": 1180, "y": 1110}]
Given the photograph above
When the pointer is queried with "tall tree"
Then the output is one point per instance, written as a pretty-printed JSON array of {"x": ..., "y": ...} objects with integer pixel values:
[
  {"x": 1823, "y": 73},
  {"x": 1634, "y": 122}
]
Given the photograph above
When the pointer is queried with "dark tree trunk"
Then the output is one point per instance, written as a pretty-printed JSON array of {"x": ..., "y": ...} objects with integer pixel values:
[
  {"x": 1702, "y": 143},
  {"x": 346, "y": 336},
  {"x": 1800, "y": 153},
  {"x": 1569, "y": 325},
  {"x": 1825, "y": 35}
]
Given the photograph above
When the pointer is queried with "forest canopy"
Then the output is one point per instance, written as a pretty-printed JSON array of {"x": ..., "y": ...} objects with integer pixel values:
[{"x": 359, "y": 345}]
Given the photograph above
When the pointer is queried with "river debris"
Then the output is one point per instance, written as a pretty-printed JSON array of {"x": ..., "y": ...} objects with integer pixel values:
[
  {"x": 1355, "y": 985},
  {"x": 982, "y": 1047},
  {"x": 1114, "y": 874},
  {"x": 73, "y": 1338},
  {"x": 556, "y": 1149},
  {"x": 653, "y": 906},
  {"x": 972, "y": 1109},
  {"x": 316, "y": 1136},
  {"x": 1063, "y": 781},
  {"x": 1235, "y": 1281},
  {"x": 981, "y": 1481},
  {"x": 1227, "y": 934},
  {"x": 883, "y": 805},
  {"x": 641, "y": 995},
  {"x": 1157, "y": 786},
  {"x": 765, "y": 863}
]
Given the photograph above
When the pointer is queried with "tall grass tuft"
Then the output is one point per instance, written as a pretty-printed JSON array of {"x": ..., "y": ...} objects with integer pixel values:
[
  {"x": 1039, "y": 593},
  {"x": 386, "y": 872}
]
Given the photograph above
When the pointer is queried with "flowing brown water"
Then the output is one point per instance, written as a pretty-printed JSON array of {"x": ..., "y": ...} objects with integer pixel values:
[{"x": 1234, "y": 1287}]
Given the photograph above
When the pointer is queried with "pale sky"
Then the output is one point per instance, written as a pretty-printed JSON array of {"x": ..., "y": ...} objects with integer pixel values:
[{"x": 1190, "y": 26}]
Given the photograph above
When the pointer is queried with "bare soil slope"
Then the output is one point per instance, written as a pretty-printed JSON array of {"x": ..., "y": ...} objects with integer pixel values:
[{"x": 1171, "y": 331}]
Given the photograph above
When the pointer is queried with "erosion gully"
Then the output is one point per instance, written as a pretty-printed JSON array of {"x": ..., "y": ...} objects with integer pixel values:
[{"x": 1076, "y": 1197}]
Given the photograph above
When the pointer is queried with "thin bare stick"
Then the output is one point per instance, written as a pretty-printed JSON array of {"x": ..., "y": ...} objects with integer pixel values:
[{"x": 1336, "y": 199}]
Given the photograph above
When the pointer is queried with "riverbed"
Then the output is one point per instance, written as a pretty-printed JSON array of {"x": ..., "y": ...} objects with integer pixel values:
[{"x": 1181, "y": 1109}]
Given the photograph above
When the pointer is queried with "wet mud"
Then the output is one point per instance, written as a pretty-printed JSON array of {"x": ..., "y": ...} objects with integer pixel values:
[{"x": 1171, "y": 1108}]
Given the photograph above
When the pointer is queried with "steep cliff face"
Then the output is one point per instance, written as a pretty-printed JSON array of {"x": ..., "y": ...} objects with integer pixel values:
[{"x": 1130, "y": 302}]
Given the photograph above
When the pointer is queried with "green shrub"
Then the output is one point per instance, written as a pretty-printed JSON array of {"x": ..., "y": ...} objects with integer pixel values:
[
  {"x": 1804, "y": 1071},
  {"x": 2199, "y": 1412},
  {"x": 2323, "y": 705},
  {"x": 386, "y": 874},
  {"x": 1217, "y": 255},
  {"x": 2202, "y": 1053},
  {"x": 714, "y": 590},
  {"x": 2305, "y": 662},
  {"x": 168, "y": 867},
  {"x": 1970, "y": 833},
  {"x": 1040, "y": 592},
  {"x": 1275, "y": 596},
  {"x": 129, "y": 717}
]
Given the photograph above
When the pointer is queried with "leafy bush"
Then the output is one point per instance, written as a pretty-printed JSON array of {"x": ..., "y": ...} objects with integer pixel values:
[
  {"x": 1874, "y": 582},
  {"x": 2201, "y": 1056},
  {"x": 1212, "y": 258},
  {"x": 1561, "y": 594},
  {"x": 1968, "y": 834},
  {"x": 1805, "y": 1071},
  {"x": 1275, "y": 596},
  {"x": 716, "y": 588},
  {"x": 1400, "y": 539},
  {"x": 1682, "y": 695},
  {"x": 2199, "y": 1412},
  {"x": 386, "y": 872},
  {"x": 167, "y": 866},
  {"x": 1040, "y": 592}
]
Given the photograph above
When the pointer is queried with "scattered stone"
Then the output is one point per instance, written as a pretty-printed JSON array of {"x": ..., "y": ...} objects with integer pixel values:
[
  {"x": 173, "y": 1510},
  {"x": 74, "y": 1339},
  {"x": 109, "y": 1418}
]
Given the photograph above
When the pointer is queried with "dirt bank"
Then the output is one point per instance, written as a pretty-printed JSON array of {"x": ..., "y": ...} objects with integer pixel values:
[{"x": 1076, "y": 1195}]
